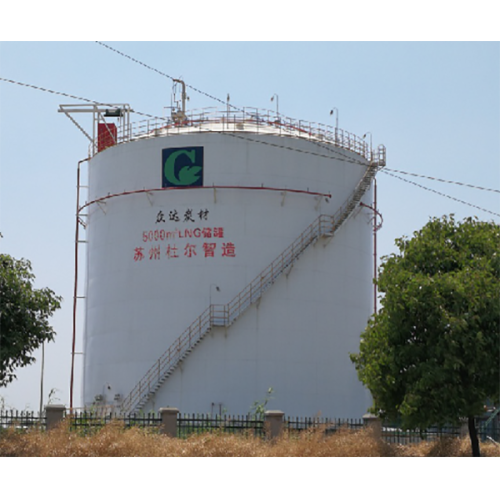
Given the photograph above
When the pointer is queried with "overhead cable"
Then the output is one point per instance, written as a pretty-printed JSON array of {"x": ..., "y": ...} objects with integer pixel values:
[
  {"x": 443, "y": 180},
  {"x": 329, "y": 157},
  {"x": 71, "y": 96},
  {"x": 439, "y": 193},
  {"x": 65, "y": 94},
  {"x": 346, "y": 159},
  {"x": 226, "y": 103}
]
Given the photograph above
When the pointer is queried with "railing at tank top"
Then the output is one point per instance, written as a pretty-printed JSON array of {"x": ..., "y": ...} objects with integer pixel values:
[{"x": 262, "y": 121}]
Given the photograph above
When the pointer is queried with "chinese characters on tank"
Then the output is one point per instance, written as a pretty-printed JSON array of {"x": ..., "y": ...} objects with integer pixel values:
[
  {"x": 170, "y": 242},
  {"x": 187, "y": 216}
]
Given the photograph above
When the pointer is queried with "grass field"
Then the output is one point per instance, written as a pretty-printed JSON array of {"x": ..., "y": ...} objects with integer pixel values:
[{"x": 115, "y": 441}]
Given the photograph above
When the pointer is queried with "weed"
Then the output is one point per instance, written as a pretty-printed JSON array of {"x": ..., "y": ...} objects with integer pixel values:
[
  {"x": 258, "y": 409},
  {"x": 115, "y": 440}
]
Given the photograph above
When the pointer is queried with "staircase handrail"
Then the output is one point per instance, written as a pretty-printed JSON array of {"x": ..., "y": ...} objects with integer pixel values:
[{"x": 322, "y": 225}]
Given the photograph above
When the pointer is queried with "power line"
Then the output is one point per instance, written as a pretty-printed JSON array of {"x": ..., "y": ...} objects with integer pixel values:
[
  {"x": 443, "y": 180},
  {"x": 439, "y": 193},
  {"x": 350, "y": 160},
  {"x": 51, "y": 91},
  {"x": 346, "y": 158},
  {"x": 384, "y": 170},
  {"x": 329, "y": 157},
  {"x": 226, "y": 103},
  {"x": 65, "y": 94}
]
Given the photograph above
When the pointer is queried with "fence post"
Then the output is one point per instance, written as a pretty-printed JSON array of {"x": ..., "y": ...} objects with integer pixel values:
[
  {"x": 374, "y": 423},
  {"x": 273, "y": 422},
  {"x": 169, "y": 421},
  {"x": 54, "y": 415}
]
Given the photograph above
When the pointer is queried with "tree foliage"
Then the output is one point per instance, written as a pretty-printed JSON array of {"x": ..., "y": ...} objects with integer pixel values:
[
  {"x": 431, "y": 355},
  {"x": 24, "y": 314}
]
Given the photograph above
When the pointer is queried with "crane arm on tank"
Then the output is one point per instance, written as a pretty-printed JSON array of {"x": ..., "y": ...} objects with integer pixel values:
[{"x": 99, "y": 113}]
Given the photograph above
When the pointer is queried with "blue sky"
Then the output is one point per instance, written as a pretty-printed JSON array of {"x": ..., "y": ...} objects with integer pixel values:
[{"x": 434, "y": 105}]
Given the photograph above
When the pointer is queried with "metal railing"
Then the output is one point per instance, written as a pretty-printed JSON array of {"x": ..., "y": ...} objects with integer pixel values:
[
  {"x": 328, "y": 425},
  {"x": 188, "y": 424},
  {"x": 87, "y": 423},
  {"x": 21, "y": 419},
  {"x": 225, "y": 315},
  {"x": 254, "y": 120},
  {"x": 222, "y": 315}
]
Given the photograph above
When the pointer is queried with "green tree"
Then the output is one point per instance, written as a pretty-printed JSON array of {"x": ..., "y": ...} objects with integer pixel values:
[
  {"x": 431, "y": 355},
  {"x": 24, "y": 314}
]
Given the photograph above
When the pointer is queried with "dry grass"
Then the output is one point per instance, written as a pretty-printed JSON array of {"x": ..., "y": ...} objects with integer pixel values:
[{"x": 115, "y": 441}]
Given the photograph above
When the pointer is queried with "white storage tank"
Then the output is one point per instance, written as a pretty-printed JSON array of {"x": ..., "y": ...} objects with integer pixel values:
[{"x": 196, "y": 298}]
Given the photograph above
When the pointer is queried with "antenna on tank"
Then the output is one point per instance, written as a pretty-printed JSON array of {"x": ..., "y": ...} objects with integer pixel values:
[
  {"x": 371, "y": 152},
  {"x": 178, "y": 115},
  {"x": 277, "y": 103}
]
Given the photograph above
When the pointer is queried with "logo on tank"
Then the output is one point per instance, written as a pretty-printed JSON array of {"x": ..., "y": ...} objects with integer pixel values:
[{"x": 182, "y": 167}]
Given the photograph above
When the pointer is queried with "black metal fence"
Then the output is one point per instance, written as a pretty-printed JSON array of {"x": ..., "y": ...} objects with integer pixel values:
[
  {"x": 21, "y": 420},
  {"x": 297, "y": 425},
  {"x": 87, "y": 423},
  {"x": 390, "y": 433},
  {"x": 396, "y": 435},
  {"x": 199, "y": 423},
  {"x": 486, "y": 430}
]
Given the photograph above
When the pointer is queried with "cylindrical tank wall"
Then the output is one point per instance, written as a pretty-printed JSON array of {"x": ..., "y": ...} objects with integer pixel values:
[{"x": 157, "y": 260}]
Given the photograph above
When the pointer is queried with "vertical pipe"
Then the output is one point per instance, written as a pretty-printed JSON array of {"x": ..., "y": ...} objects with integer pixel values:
[
  {"x": 41, "y": 378},
  {"x": 375, "y": 274},
  {"x": 75, "y": 292}
]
